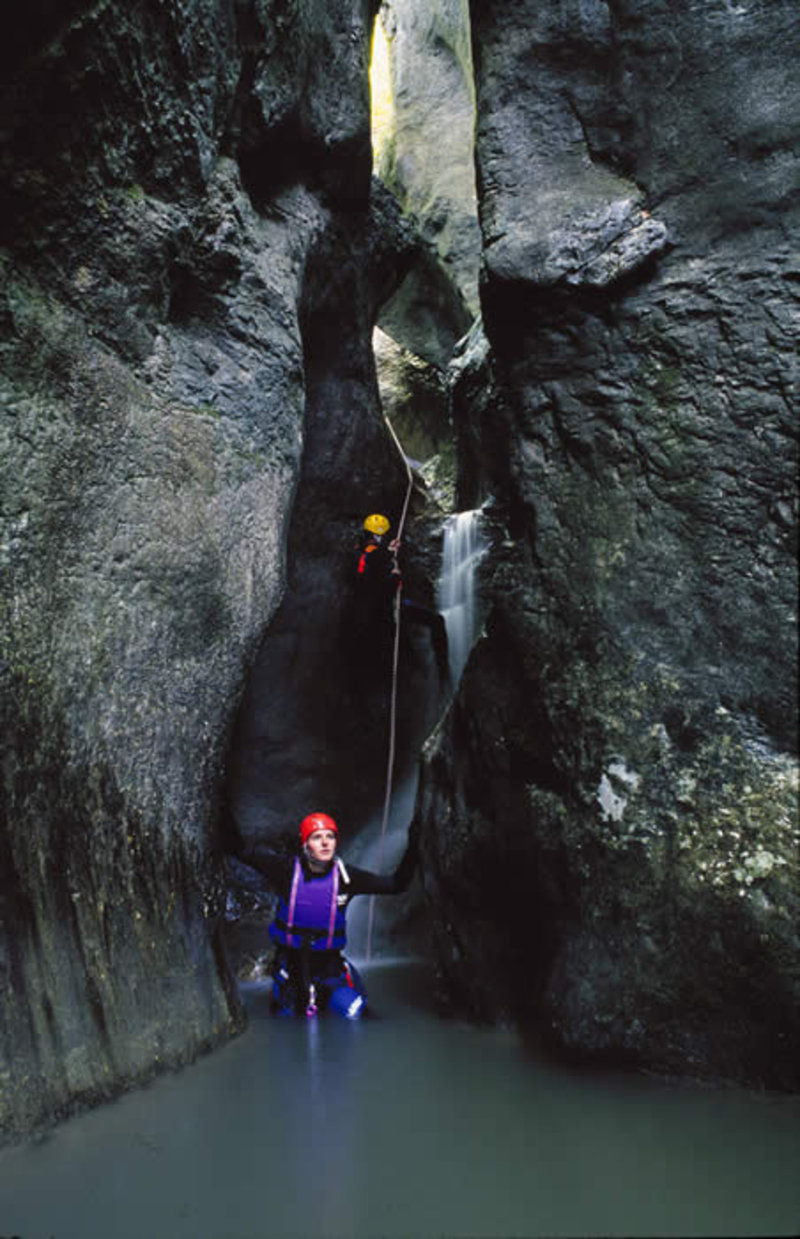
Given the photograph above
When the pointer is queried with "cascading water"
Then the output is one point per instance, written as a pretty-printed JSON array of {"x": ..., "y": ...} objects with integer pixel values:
[
  {"x": 372, "y": 851},
  {"x": 464, "y": 547}
]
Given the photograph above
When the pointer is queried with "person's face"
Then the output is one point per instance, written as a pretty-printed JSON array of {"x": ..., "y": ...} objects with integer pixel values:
[{"x": 321, "y": 846}]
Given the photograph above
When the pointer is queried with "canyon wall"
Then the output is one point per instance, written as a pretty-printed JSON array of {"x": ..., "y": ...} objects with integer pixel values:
[
  {"x": 177, "y": 180},
  {"x": 193, "y": 259},
  {"x": 611, "y": 810}
]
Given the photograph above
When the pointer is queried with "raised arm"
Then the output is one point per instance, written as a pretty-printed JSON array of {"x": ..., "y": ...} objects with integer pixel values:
[
  {"x": 276, "y": 867},
  {"x": 365, "y": 882}
]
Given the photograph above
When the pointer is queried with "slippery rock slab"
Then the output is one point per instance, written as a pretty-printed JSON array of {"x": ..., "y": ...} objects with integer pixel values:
[{"x": 414, "y": 398}]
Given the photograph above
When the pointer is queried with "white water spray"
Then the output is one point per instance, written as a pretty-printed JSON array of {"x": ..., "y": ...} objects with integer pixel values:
[
  {"x": 464, "y": 547},
  {"x": 382, "y": 854}
]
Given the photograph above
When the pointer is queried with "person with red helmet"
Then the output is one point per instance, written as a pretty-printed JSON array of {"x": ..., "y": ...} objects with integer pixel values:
[{"x": 310, "y": 972}]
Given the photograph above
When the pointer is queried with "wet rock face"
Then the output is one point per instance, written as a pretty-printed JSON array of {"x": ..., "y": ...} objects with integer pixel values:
[
  {"x": 170, "y": 177},
  {"x": 425, "y": 152},
  {"x": 615, "y": 861}
]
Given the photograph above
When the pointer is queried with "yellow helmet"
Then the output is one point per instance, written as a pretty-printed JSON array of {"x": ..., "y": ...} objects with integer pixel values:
[{"x": 376, "y": 523}]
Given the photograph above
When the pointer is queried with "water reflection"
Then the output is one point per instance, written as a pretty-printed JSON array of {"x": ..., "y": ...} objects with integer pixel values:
[{"x": 405, "y": 1125}]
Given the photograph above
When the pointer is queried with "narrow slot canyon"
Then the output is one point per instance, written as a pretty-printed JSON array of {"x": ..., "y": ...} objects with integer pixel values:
[{"x": 519, "y": 284}]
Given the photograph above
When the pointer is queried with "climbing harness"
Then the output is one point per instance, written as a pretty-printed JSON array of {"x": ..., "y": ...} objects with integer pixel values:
[
  {"x": 307, "y": 988},
  {"x": 395, "y": 659},
  {"x": 310, "y": 905}
]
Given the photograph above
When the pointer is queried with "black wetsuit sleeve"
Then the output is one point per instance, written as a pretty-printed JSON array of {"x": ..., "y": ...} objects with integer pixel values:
[
  {"x": 364, "y": 882},
  {"x": 276, "y": 867}
]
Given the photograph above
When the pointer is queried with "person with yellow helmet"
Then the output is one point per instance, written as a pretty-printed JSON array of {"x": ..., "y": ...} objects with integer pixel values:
[
  {"x": 375, "y": 528},
  {"x": 377, "y": 571},
  {"x": 377, "y": 524},
  {"x": 379, "y": 578}
]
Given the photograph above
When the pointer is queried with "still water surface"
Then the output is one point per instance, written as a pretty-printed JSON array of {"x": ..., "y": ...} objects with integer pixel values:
[{"x": 406, "y": 1125}]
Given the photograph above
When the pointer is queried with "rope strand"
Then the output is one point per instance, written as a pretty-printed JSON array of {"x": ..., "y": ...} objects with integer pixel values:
[{"x": 387, "y": 800}]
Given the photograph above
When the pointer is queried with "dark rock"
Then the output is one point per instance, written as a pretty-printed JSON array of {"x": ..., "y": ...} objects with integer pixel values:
[
  {"x": 426, "y": 314},
  {"x": 611, "y": 844},
  {"x": 313, "y": 730},
  {"x": 166, "y": 174}
]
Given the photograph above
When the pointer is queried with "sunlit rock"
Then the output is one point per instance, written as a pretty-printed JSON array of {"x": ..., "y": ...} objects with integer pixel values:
[{"x": 424, "y": 150}]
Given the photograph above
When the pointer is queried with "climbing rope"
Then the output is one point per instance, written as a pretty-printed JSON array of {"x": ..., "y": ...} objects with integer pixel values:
[{"x": 387, "y": 800}]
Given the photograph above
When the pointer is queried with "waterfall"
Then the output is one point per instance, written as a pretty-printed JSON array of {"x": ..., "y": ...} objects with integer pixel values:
[
  {"x": 464, "y": 547},
  {"x": 370, "y": 851}
]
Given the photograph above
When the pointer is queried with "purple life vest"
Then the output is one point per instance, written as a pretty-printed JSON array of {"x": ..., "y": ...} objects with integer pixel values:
[{"x": 311, "y": 915}]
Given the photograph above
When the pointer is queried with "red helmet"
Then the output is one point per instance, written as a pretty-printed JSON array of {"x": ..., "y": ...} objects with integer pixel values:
[{"x": 316, "y": 821}]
